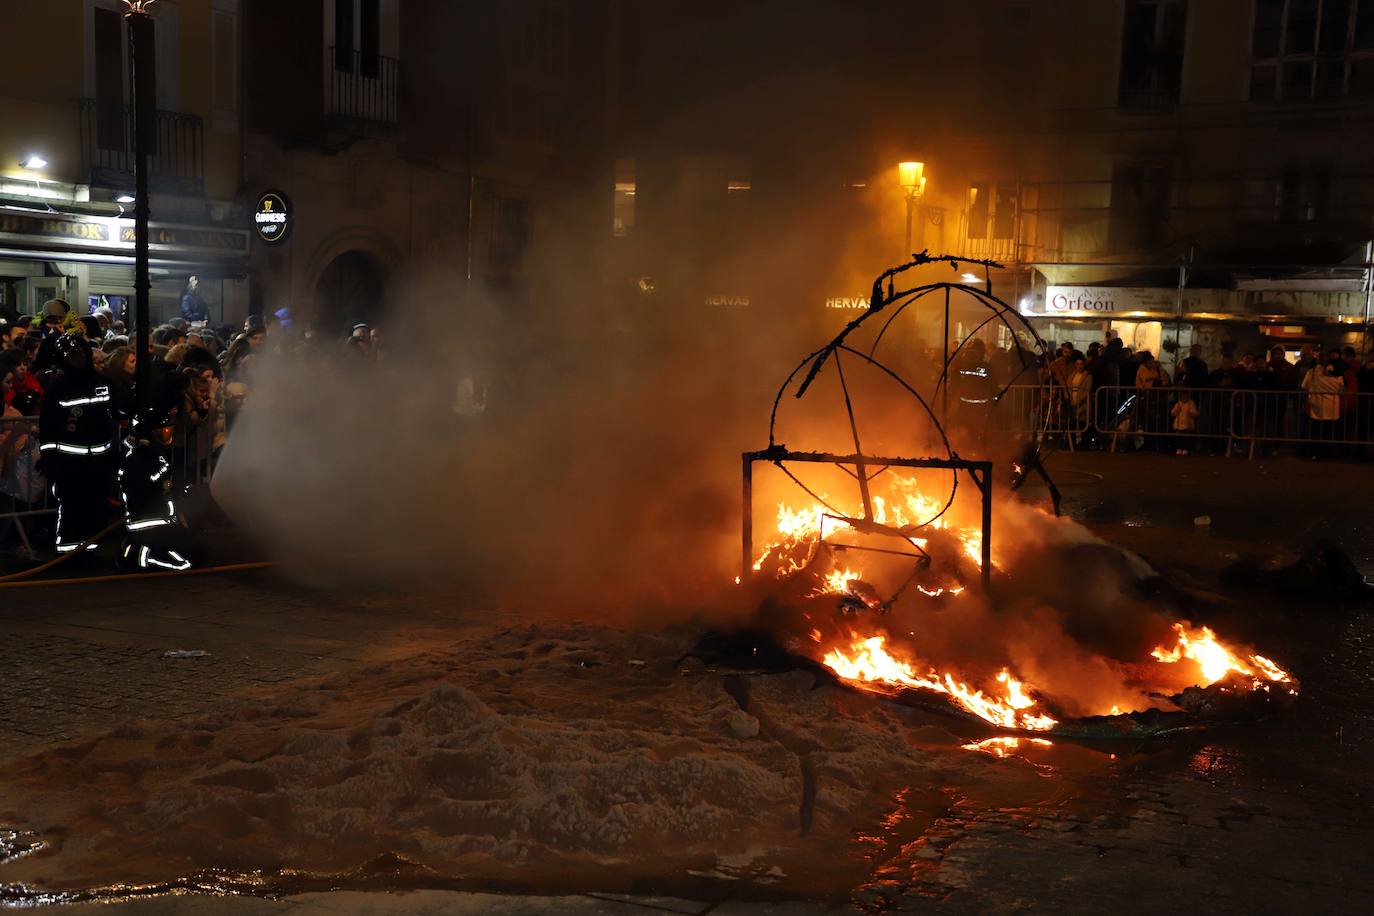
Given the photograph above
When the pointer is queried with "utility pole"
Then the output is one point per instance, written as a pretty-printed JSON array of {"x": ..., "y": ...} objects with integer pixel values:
[{"x": 141, "y": 56}]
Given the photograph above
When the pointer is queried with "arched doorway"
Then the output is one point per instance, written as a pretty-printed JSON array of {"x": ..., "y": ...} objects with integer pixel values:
[{"x": 352, "y": 288}]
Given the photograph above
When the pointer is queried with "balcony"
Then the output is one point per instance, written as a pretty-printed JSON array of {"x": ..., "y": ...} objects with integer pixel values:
[
  {"x": 176, "y": 161},
  {"x": 362, "y": 87}
]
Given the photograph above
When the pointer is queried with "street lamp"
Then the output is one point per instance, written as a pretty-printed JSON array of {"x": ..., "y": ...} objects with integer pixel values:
[
  {"x": 33, "y": 162},
  {"x": 911, "y": 176},
  {"x": 141, "y": 51}
]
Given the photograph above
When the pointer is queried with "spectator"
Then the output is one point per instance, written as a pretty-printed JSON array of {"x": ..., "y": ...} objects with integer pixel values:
[
  {"x": 1324, "y": 389},
  {"x": 1192, "y": 371},
  {"x": 1364, "y": 406},
  {"x": 1080, "y": 391},
  {"x": 14, "y": 334},
  {"x": 1278, "y": 381},
  {"x": 1149, "y": 383},
  {"x": 119, "y": 373},
  {"x": 15, "y": 363},
  {"x": 167, "y": 336},
  {"x": 93, "y": 332},
  {"x": 1307, "y": 359},
  {"x": 1185, "y": 414},
  {"x": 193, "y": 307},
  {"x": 105, "y": 315}
]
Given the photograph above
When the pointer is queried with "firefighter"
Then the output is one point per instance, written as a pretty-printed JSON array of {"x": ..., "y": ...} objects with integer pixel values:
[
  {"x": 76, "y": 432},
  {"x": 155, "y": 535}
]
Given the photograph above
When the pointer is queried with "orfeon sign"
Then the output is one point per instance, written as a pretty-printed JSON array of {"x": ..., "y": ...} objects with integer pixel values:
[
  {"x": 272, "y": 218},
  {"x": 1107, "y": 301}
]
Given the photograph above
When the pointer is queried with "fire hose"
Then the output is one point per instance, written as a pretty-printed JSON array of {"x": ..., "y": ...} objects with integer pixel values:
[{"x": 22, "y": 579}]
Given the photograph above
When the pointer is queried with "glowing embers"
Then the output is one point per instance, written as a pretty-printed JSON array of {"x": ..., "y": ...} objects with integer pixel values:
[
  {"x": 866, "y": 663},
  {"x": 1216, "y": 662}
]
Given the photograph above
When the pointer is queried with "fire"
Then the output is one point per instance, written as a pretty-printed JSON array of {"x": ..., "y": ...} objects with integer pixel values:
[
  {"x": 1004, "y": 745},
  {"x": 904, "y": 505},
  {"x": 1216, "y": 661},
  {"x": 838, "y": 582},
  {"x": 868, "y": 664}
]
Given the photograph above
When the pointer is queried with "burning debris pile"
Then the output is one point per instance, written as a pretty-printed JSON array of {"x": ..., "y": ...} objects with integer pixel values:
[{"x": 885, "y": 572}]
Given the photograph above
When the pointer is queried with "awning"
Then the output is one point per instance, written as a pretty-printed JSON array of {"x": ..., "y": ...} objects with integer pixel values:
[{"x": 43, "y": 235}]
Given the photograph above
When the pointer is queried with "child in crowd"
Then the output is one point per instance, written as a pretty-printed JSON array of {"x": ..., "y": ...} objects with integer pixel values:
[{"x": 1184, "y": 413}]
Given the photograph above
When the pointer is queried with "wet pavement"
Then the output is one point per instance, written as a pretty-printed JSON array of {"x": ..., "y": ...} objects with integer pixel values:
[{"x": 1276, "y": 817}]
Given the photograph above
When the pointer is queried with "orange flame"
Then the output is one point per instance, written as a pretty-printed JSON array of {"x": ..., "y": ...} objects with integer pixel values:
[
  {"x": 869, "y": 665},
  {"x": 1003, "y": 745},
  {"x": 1217, "y": 662}
]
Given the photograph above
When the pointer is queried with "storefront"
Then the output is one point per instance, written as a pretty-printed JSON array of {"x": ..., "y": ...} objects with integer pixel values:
[
  {"x": 1252, "y": 317},
  {"x": 88, "y": 259}
]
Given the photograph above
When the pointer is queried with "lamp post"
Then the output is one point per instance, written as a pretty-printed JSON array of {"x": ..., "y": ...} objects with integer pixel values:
[
  {"x": 911, "y": 176},
  {"x": 141, "y": 51}
]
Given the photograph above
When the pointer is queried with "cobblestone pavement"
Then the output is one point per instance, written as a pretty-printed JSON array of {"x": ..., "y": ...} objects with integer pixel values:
[
  {"x": 76, "y": 660},
  {"x": 1277, "y": 818}
]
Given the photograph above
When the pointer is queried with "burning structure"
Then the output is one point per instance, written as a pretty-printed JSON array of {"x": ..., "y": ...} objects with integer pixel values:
[{"x": 883, "y": 570}]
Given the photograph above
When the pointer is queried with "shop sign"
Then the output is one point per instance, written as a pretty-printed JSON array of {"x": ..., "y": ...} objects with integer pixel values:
[
  {"x": 107, "y": 233},
  {"x": 1103, "y": 301},
  {"x": 739, "y": 301},
  {"x": 57, "y": 227},
  {"x": 847, "y": 303},
  {"x": 272, "y": 218}
]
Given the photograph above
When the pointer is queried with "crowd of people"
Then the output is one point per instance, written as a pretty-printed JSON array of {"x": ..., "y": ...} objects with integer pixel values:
[
  {"x": 69, "y": 411},
  {"x": 1315, "y": 399}
]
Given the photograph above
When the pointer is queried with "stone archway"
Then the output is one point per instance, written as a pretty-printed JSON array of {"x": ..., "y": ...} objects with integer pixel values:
[{"x": 351, "y": 288}]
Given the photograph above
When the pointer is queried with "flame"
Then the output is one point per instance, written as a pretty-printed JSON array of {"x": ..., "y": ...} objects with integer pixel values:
[
  {"x": 868, "y": 664},
  {"x": 1003, "y": 745},
  {"x": 903, "y": 506},
  {"x": 1217, "y": 662},
  {"x": 838, "y": 582}
]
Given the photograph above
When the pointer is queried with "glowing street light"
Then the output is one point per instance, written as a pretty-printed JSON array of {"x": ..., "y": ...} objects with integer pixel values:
[
  {"x": 33, "y": 162},
  {"x": 912, "y": 177}
]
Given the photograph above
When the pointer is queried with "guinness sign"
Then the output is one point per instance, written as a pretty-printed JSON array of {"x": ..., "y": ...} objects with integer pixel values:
[{"x": 272, "y": 219}]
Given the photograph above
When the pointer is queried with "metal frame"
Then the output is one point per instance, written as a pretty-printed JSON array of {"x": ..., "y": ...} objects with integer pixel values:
[
  {"x": 887, "y": 297},
  {"x": 980, "y": 472}
]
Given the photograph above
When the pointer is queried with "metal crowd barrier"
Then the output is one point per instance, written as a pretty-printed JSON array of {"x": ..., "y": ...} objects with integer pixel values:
[
  {"x": 1228, "y": 420},
  {"x": 25, "y": 497},
  {"x": 1043, "y": 408}
]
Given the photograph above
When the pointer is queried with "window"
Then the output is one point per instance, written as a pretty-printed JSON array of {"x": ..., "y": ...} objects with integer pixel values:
[
  {"x": 1140, "y": 207},
  {"x": 1312, "y": 49},
  {"x": 991, "y": 210},
  {"x": 625, "y": 189},
  {"x": 369, "y": 37},
  {"x": 225, "y": 84},
  {"x": 110, "y": 129},
  {"x": 343, "y": 35},
  {"x": 1304, "y": 193},
  {"x": 1152, "y": 53}
]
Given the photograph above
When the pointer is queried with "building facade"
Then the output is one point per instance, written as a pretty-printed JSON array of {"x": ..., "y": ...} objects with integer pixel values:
[
  {"x": 1172, "y": 171},
  {"x": 1199, "y": 178},
  {"x": 66, "y": 158},
  {"x": 426, "y": 149}
]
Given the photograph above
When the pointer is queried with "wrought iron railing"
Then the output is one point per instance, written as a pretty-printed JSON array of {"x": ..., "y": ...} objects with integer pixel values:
[
  {"x": 176, "y": 160},
  {"x": 363, "y": 86}
]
